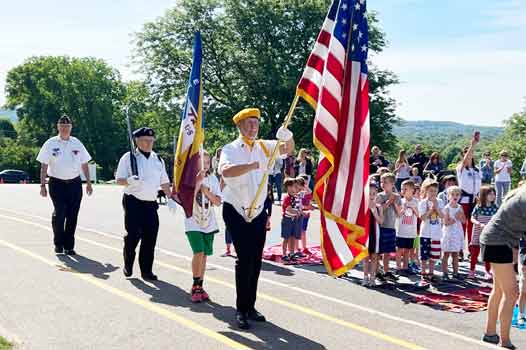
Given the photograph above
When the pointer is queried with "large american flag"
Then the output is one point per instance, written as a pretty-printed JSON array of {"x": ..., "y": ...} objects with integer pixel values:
[{"x": 335, "y": 84}]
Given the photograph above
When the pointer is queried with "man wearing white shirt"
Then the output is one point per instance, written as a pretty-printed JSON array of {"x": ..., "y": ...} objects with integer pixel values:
[
  {"x": 140, "y": 202},
  {"x": 62, "y": 158},
  {"x": 503, "y": 168},
  {"x": 243, "y": 164}
]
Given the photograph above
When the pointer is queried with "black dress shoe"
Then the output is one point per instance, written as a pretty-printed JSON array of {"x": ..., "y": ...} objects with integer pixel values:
[
  {"x": 242, "y": 320},
  {"x": 70, "y": 252},
  {"x": 59, "y": 249},
  {"x": 149, "y": 277},
  {"x": 127, "y": 271},
  {"x": 255, "y": 315}
]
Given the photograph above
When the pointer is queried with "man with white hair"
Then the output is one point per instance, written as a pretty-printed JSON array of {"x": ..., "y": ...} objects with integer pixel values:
[{"x": 244, "y": 165}]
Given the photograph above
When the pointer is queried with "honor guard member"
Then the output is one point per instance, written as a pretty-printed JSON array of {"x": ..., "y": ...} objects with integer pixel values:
[
  {"x": 62, "y": 158},
  {"x": 140, "y": 202},
  {"x": 243, "y": 164}
]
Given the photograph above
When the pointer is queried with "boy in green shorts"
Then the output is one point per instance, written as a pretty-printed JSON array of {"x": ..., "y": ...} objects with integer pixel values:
[{"x": 202, "y": 225}]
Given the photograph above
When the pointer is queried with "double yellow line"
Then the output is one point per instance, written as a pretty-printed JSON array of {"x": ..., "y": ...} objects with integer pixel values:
[{"x": 189, "y": 323}]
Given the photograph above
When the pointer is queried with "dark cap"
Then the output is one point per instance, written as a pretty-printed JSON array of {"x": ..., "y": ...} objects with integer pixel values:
[
  {"x": 144, "y": 131},
  {"x": 449, "y": 178},
  {"x": 64, "y": 120}
]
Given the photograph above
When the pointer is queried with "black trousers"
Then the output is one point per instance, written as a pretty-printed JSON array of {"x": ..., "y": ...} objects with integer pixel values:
[
  {"x": 66, "y": 196},
  {"x": 142, "y": 224},
  {"x": 249, "y": 241}
]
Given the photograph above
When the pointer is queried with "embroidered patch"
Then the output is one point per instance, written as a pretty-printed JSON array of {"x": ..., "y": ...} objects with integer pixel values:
[{"x": 76, "y": 152}]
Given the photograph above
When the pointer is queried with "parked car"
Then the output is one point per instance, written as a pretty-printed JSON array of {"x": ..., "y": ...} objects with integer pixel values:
[{"x": 13, "y": 176}]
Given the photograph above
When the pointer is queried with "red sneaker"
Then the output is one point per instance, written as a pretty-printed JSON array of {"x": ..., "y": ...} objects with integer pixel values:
[
  {"x": 196, "y": 295},
  {"x": 204, "y": 295}
]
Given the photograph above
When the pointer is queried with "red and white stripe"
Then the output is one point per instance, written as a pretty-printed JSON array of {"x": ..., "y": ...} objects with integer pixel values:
[{"x": 340, "y": 94}]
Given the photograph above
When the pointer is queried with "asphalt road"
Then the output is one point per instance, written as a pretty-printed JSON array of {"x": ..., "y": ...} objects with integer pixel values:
[{"x": 84, "y": 302}]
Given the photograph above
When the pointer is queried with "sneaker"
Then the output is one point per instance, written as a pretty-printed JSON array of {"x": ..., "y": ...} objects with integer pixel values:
[
  {"x": 445, "y": 278},
  {"x": 508, "y": 345},
  {"x": 492, "y": 339},
  {"x": 196, "y": 295},
  {"x": 285, "y": 258},
  {"x": 380, "y": 277},
  {"x": 372, "y": 283},
  {"x": 59, "y": 249},
  {"x": 204, "y": 295},
  {"x": 390, "y": 276},
  {"x": 522, "y": 321},
  {"x": 227, "y": 253},
  {"x": 471, "y": 275},
  {"x": 300, "y": 255},
  {"x": 365, "y": 282}
]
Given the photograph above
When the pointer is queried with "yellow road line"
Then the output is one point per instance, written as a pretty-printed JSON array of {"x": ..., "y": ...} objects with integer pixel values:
[
  {"x": 135, "y": 300},
  {"x": 308, "y": 311}
]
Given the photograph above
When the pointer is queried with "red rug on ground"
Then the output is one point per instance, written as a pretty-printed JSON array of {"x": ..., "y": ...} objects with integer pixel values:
[
  {"x": 312, "y": 254},
  {"x": 463, "y": 300}
]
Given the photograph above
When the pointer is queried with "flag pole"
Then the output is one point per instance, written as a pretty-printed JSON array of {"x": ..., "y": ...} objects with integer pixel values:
[{"x": 272, "y": 159}]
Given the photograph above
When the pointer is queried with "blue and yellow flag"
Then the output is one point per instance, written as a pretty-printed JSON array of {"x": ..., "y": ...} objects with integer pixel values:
[{"x": 191, "y": 135}]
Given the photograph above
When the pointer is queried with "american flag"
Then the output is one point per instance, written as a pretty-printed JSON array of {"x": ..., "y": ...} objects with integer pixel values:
[{"x": 335, "y": 84}]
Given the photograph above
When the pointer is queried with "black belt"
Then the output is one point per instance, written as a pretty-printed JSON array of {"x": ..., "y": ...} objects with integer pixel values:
[{"x": 69, "y": 181}]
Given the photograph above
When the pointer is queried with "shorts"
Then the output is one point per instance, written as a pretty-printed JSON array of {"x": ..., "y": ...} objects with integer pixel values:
[
  {"x": 405, "y": 243},
  {"x": 497, "y": 254},
  {"x": 429, "y": 249},
  {"x": 305, "y": 223},
  {"x": 387, "y": 240},
  {"x": 201, "y": 242},
  {"x": 291, "y": 228}
]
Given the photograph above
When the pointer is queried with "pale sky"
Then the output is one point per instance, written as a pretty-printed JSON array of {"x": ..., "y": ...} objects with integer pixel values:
[{"x": 462, "y": 61}]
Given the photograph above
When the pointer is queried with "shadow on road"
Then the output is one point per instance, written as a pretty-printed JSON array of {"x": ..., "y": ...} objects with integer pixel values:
[
  {"x": 271, "y": 336},
  {"x": 81, "y": 264}
]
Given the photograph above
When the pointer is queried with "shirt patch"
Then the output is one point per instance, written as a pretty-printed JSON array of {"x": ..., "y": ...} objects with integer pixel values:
[{"x": 76, "y": 152}]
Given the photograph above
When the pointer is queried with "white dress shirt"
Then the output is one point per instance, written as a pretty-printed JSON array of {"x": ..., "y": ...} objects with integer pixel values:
[
  {"x": 240, "y": 191},
  {"x": 63, "y": 157},
  {"x": 152, "y": 173}
]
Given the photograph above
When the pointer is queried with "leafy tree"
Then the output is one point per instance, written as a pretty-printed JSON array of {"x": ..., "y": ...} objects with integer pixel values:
[
  {"x": 7, "y": 129},
  {"x": 87, "y": 89},
  {"x": 254, "y": 54},
  {"x": 513, "y": 142},
  {"x": 16, "y": 156}
]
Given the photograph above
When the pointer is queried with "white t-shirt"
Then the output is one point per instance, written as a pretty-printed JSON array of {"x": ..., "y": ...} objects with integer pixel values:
[
  {"x": 404, "y": 172},
  {"x": 503, "y": 176},
  {"x": 407, "y": 222},
  {"x": 191, "y": 224},
  {"x": 432, "y": 226},
  {"x": 152, "y": 173},
  {"x": 469, "y": 181},
  {"x": 240, "y": 191},
  {"x": 63, "y": 157}
]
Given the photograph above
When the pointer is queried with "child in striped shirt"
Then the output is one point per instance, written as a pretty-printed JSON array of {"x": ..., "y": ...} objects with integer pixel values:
[{"x": 482, "y": 214}]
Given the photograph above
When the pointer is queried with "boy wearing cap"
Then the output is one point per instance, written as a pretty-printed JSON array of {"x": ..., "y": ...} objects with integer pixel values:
[
  {"x": 244, "y": 165},
  {"x": 139, "y": 201},
  {"x": 62, "y": 158}
]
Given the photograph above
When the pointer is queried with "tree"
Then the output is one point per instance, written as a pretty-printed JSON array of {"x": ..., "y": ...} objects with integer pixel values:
[
  {"x": 254, "y": 54},
  {"x": 7, "y": 129},
  {"x": 87, "y": 89},
  {"x": 513, "y": 142}
]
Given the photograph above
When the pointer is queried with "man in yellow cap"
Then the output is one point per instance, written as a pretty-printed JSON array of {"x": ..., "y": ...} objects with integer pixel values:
[{"x": 243, "y": 165}]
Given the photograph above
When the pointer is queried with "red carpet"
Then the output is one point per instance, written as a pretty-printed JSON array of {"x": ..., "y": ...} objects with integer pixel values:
[
  {"x": 463, "y": 300},
  {"x": 312, "y": 254}
]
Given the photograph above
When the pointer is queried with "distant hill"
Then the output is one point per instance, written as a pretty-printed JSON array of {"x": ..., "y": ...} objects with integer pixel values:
[
  {"x": 424, "y": 131},
  {"x": 8, "y": 113}
]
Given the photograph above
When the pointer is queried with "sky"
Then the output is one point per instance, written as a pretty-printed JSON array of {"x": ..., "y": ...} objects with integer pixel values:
[{"x": 461, "y": 61}]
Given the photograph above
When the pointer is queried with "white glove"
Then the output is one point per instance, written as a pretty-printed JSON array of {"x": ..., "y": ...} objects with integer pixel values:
[
  {"x": 172, "y": 206},
  {"x": 284, "y": 134}
]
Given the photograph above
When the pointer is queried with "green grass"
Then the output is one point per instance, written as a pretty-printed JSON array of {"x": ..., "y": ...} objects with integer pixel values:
[{"x": 4, "y": 344}]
